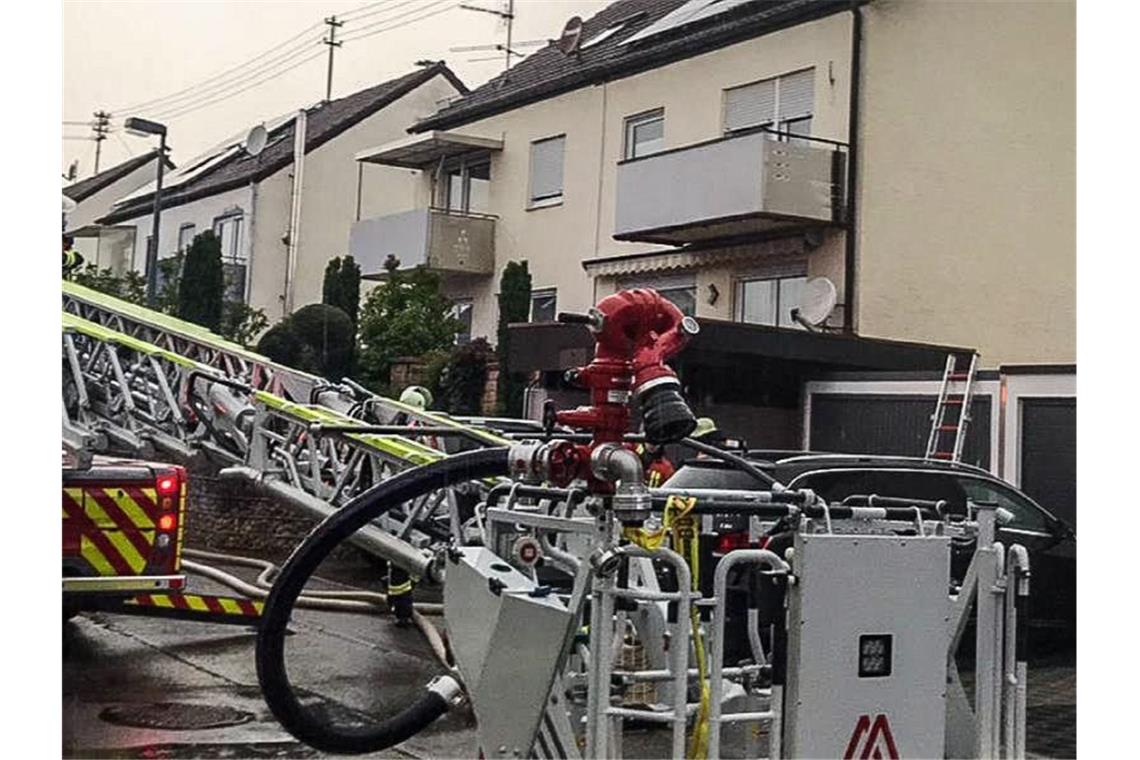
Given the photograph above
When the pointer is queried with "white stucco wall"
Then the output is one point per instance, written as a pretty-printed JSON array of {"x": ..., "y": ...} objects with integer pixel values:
[
  {"x": 967, "y": 188},
  {"x": 556, "y": 240},
  {"x": 200, "y": 213},
  {"x": 99, "y": 204}
]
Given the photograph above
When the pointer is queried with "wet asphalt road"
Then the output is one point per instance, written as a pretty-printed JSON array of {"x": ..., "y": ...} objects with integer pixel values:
[{"x": 361, "y": 665}]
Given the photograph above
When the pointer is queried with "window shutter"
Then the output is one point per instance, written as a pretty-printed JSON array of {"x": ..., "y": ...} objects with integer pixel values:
[
  {"x": 750, "y": 105},
  {"x": 797, "y": 94},
  {"x": 546, "y": 168}
]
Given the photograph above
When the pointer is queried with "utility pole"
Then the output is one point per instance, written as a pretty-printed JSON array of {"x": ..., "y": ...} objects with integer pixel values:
[
  {"x": 101, "y": 127},
  {"x": 333, "y": 25}
]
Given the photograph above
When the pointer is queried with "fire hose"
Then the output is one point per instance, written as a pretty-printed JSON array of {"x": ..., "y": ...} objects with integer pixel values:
[
  {"x": 367, "y": 602},
  {"x": 301, "y": 565},
  {"x": 635, "y": 332}
]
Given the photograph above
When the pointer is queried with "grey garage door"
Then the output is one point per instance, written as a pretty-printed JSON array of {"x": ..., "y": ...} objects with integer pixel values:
[
  {"x": 884, "y": 424},
  {"x": 1049, "y": 454}
]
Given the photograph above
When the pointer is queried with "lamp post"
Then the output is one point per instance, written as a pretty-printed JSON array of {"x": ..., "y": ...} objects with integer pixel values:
[{"x": 142, "y": 128}]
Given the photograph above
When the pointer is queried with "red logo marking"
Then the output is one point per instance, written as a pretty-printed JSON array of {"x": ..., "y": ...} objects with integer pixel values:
[{"x": 878, "y": 738}]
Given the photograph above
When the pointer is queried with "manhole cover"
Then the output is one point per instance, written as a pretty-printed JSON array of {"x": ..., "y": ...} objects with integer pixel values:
[{"x": 175, "y": 716}]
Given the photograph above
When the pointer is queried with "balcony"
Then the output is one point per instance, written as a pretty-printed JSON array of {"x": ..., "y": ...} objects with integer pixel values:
[
  {"x": 447, "y": 242},
  {"x": 737, "y": 185}
]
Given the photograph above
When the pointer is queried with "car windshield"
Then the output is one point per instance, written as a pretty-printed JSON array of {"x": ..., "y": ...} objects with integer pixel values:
[{"x": 1026, "y": 516}]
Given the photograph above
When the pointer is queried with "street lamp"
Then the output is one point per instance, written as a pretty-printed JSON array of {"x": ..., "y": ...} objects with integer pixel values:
[{"x": 143, "y": 128}]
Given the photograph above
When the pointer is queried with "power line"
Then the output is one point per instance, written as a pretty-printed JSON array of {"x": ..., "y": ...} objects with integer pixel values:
[
  {"x": 227, "y": 96},
  {"x": 174, "y": 112},
  {"x": 359, "y": 36},
  {"x": 237, "y": 77},
  {"x": 208, "y": 96},
  {"x": 222, "y": 74}
]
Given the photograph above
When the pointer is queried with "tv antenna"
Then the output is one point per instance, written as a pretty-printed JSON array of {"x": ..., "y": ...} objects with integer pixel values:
[
  {"x": 506, "y": 14},
  {"x": 816, "y": 303}
]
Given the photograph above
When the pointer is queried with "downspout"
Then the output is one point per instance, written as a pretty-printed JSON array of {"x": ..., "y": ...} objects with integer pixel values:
[
  {"x": 253, "y": 238},
  {"x": 852, "y": 159},
  {"x": 294, "y": 234}
]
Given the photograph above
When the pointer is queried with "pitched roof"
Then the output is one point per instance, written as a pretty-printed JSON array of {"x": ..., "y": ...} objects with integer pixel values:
[
  {"x": 548, "y": 72},
  {"x": 85, "y": 188},
  {"x": 325, "y": 121}
]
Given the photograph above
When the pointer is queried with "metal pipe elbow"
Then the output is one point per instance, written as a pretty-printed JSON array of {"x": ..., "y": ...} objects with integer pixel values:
[{"x": 632, "y": 501}]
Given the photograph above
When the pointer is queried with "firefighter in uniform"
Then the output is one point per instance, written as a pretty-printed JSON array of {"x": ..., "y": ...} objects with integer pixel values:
[
  {"x": 657, "y": 466},
  {"x": 72, "y": 260},
  {"x": 399, "y": 582}
]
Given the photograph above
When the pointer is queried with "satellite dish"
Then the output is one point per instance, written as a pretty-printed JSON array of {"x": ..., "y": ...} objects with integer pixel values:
[
  {"x": 571, "y": 37},
  {"x": 817, "y": 301},
  {"x": 256, "y": 139}
]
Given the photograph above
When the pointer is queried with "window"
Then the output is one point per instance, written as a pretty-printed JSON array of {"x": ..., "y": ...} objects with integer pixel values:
[
  {"x": 229, "y": 229},
  {"x": 466, "y": 188},
  {"x": 185, "y": 237},
  {"x": 543, "y": 304},
  {"x": 681, "y": 290},
  {"x": 645, "y": 133},
  {"x": 462, "y": 311},
  {"x": 1026, "y": 516},
  {"x": 783, "y": 104},
  {"x": 769, "y": 301},
  {"x": 546, "y": 171}
]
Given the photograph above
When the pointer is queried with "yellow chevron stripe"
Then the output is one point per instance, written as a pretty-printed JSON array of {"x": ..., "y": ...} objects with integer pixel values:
[
  {"x": 196, "y": 602},
  {"x": 91, "y": 553},
  {"x": 162, "y": 600},
  {"x": 129, "y": 507},
  {"x": 230, "y": 606},
  {"x": 125, "y": 548}
]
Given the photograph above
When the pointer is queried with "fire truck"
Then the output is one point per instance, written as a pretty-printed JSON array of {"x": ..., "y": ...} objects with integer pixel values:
[{"x": 123, "y": 522}]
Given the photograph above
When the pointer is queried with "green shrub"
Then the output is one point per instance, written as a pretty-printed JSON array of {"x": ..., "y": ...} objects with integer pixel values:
[
  {"x": 514, "y": 306},
  {"x": 200, "y": 289},
  {"x": 465, "y": 376}
]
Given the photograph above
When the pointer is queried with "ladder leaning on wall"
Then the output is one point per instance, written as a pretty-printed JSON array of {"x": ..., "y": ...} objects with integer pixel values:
[{"x": 951, "y": 415}]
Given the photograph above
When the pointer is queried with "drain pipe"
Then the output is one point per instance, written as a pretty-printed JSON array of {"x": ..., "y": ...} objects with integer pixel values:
[
  {"x": 368, "y": 539},
  {"x": 852, "y": 160},
  {"x": 300, "y": 127}
]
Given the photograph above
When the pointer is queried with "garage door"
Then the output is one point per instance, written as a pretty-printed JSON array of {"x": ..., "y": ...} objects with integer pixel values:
[
  {"x": 884, "y": 424},
  {"x": 1049, "y": 454}
]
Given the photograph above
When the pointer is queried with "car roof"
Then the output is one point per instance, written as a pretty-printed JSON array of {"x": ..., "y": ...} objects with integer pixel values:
[{"x": 818, "y": 460}]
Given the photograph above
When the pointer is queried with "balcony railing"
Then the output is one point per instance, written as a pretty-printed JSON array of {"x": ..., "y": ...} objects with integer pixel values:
[
  {"x": 449, "y": 242},
  {"x": 742, "y": 184}
]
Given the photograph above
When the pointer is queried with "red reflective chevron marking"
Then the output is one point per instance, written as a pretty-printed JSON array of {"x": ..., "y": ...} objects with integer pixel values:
[{"x": 877, "y": 732}]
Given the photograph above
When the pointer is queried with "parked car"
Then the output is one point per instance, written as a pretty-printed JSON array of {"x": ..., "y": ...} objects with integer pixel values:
[{"x": 1051, "y": 542}]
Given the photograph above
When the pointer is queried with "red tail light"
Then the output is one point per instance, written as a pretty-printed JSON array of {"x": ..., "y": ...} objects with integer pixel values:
[
  {"x": 169, "y": 483},
  {"x": 166, "y": 523},
  {"x": 726, "y": 542}
]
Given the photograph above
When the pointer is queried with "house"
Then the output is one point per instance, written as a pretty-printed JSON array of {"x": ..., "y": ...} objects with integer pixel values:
[
  {"x": 279, "y": 226},
  {"x": 107, "y": 247},
  {"x": 920, "y": 156}
]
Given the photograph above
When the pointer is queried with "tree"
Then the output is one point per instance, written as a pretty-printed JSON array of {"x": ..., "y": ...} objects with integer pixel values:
[
  {"x": 201, "y": 288},
  {"x": 342, "y": 286},
  {"x": 405, "y": 316},
  {"x": 317, "y": 338},
  {"x": 514, "y": 306},
  {"x": 129, "y": 286},
  {"x": 241, "y": 323},
  {"x": 464, "y": 377}
]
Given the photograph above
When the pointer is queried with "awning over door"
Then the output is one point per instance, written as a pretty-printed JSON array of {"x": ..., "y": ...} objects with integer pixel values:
[
  {"x": 555, "y": 346},
  {"x": 426, "y": 149}
]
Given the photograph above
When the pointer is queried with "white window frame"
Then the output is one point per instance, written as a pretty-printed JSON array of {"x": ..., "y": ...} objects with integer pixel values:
[
  {"x": 639, "y": 120},
  {"x": 778, "y": 122},
  {"x": 236, "y": 256},
  {"x": 541, "y": 292},
  {"x": 182, "y": 228},
  {"x": 778, "y": 278},
  {"x": 549, "y": 200},
  {"x": 457, "y": 305}
]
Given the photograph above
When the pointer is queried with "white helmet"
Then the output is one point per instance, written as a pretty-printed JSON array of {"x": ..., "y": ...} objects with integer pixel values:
[{"x": 417, "y": 396}]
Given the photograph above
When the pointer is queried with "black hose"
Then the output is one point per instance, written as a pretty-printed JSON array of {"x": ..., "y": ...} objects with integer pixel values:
[{"x": 303, "y": 562}]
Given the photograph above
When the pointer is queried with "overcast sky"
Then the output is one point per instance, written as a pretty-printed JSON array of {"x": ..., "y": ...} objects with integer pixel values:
[{"x": 120, "y": 55}]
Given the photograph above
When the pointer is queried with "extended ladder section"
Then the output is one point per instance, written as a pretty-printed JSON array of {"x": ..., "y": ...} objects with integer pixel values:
[
  {"x": 123, "y": 392},
  {"x": 951, "y": 415},
  {"x": 232, "y": 361}
]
